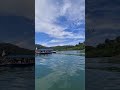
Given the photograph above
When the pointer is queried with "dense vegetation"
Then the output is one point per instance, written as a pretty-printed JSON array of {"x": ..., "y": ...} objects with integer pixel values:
[
  {"x": 11, "y": 49},
  {"x": 79, "y": 46},
  {"x": 107, "y": 49}
]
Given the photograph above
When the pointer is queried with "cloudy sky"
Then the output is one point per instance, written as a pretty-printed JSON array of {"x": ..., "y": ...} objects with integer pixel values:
[
  {"x": 17, "y": 22},
  {"x": 59, "y": 22},
  {"x": 102, "y": 20},
  {"x": 17, "y": 8}
]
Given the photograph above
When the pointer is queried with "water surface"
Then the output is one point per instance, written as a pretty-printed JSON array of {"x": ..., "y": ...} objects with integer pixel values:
[
  {"x": 61, "y": 71},
  {"x": 102, "y": 73},
  {"x": 17, "y": 78}
]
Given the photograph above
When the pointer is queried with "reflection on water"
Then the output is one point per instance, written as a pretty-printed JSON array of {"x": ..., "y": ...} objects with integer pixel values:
[
  {"x": 63, "y": 70},
  {"x": 17, "y": 78}
]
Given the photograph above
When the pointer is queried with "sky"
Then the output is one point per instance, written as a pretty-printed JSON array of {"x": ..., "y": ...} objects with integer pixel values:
[
  {"x": 102, "y": 21},
  {"x": 24, "y": 8},
  {"x": 17, "y": 22},
  {"x": 59, "y": 22}
]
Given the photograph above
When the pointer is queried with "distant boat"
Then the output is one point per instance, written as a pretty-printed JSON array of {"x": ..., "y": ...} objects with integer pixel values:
[
  {"x": 44, "y": 51},
  {"x": 53, "y": 51}
]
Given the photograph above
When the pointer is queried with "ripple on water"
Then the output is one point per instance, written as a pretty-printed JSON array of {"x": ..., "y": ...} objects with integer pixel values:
[{"x": 65, "y": 71}]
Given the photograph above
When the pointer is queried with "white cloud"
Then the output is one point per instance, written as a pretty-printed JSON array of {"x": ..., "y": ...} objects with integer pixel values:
[
  {"x": 52, "y": 30},
  {"x": 56, "y": 41},
  {"x": 74, "y": 9},
  {"x": 60, "y": 42},
  {"x": 46, "y": 12},
  {"x": 65, "y": 8}
]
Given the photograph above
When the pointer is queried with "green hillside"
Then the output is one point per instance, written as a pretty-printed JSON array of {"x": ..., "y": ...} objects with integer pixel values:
[
  {"x": 79, "y": 46},
  {"x": 108, "y": 49},
  {"x": 11, "y": 49}
]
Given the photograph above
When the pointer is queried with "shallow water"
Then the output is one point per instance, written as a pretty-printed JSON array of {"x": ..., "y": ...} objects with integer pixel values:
[{"x": 61, "y": 71}]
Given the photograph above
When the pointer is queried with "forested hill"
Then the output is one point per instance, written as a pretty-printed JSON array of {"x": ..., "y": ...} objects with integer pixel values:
[
  {"x": 108, "y": 49},
  {"x": 79, "y": 46},
  {"x": 11, "y": 49}
]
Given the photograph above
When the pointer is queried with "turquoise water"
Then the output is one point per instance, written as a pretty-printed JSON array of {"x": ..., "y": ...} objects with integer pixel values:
[{"x": 61, "y": 71}]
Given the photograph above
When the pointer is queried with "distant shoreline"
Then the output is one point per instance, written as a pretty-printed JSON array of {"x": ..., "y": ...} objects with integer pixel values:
[{"x": 79, "y": 46}]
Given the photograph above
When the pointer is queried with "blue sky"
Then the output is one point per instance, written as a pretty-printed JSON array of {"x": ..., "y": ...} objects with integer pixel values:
[{"x": 59, "y": 22}]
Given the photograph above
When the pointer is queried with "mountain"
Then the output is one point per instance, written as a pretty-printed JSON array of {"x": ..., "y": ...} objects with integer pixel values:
[{"x": 11, "y": 49}]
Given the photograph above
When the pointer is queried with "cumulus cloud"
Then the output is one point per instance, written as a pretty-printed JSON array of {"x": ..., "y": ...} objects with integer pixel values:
[
  {"x": 47, "y": 11},
  {"x": 52, "y": 30}
]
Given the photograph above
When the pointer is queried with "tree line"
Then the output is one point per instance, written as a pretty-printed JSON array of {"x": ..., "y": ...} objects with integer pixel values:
[{"x": 107, "y": 49}]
